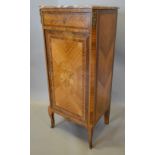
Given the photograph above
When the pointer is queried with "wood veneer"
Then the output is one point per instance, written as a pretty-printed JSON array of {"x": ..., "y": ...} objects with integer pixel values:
[{"x": 79, "y": 50}]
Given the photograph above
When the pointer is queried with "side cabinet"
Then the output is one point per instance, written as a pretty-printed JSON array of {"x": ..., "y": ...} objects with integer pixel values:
[{"x": 79, "y": 51}]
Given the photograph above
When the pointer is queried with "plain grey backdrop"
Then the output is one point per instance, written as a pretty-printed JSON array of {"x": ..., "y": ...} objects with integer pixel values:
[{"x": 107, "y": 140}]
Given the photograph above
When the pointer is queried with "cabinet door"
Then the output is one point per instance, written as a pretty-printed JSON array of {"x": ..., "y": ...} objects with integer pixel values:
[{"x": 67, "y": 58}]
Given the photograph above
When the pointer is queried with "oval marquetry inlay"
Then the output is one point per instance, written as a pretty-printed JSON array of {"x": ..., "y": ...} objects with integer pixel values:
[{"x": 66, "y": 78}]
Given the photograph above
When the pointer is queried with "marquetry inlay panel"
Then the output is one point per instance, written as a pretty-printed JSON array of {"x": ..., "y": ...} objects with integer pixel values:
[{"x": 68, "y": 74}]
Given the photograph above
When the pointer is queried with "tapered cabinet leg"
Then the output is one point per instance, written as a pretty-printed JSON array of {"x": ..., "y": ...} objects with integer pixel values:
[
  {"x": 51, "y": 114},
  {"x": 90, "y": 136},
  {"x": 52, "y": 120},
  {"x": 107, "y": 117}
]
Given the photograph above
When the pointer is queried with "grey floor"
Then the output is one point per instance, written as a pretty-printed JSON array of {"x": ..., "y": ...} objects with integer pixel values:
[{"x": 68, "y": 138}]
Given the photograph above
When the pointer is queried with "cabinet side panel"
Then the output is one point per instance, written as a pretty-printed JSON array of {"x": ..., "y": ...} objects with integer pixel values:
[{"x": 106, "y": 32}]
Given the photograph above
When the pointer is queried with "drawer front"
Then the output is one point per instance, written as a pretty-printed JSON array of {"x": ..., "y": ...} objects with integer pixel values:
[{"x": 77, "y": 20}]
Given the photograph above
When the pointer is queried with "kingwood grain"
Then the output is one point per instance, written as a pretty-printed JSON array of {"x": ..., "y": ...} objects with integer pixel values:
[{"x": 79, "y": 51}]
